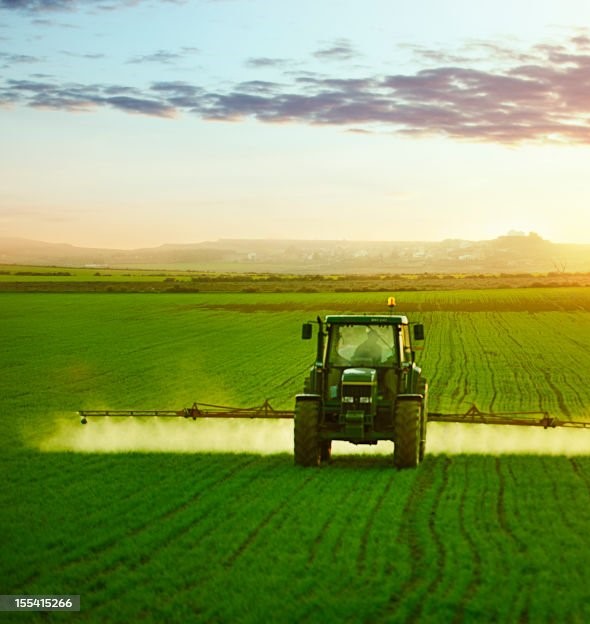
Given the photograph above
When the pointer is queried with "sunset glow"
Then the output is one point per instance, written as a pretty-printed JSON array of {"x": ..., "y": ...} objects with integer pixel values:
[{"x": 136, "y": 124}]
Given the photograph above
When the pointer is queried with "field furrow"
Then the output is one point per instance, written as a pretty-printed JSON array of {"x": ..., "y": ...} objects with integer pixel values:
[
  {"x": 338, "y": 503},
  {"x": 581, "y": 471},
  {"x": 490, "y": 599},
  {"x": 196, "y": 531},
  {"x": 425, "y": 545},
  {"x": 373, "y": 510},
  {"x": 264, "y": 523},
  {"x": 484, "y": 363},
  {"x": 563, "y": 408},
  {"x": 501, "y": 508},
  {"x": 341, "y": 540},
  {"x": 114, "y": 542},
  {"x": 437, "y": 554},
  {"x": 470, "y": 562}
]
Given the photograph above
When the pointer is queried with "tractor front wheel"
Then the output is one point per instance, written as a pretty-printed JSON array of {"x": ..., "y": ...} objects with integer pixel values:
[
  {"x": 406, "y": 446},
  {"x": 308, "y": 450}
]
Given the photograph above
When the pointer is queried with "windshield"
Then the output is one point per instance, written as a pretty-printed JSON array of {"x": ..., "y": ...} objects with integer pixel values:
[{"x": 362, "y": 345}]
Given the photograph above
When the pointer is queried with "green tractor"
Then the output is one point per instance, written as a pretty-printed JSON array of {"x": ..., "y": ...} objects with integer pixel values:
[{"x": 364, "y": 386}]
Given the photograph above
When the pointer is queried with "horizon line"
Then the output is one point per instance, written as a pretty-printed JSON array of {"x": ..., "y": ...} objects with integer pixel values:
[{"x": 511, "y": 234}]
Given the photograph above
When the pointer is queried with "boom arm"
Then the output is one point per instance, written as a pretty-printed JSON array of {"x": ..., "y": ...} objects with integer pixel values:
[
  {"x": 201, "y": 410},
  {"x": 475, "y": 415},
  {"x": 472, "y": 416}
]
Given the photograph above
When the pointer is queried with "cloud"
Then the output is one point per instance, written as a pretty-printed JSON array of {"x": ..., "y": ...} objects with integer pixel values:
[
  {"x": 181, "y": 96},
  {"x": 264, "y": 61},
  {"x": 340, "y": 50},
  {"x": 7, "y": 59},
  {"x": 539, "y": 95},
  {"x": 166, "y": 57},
  {"x": 258, "y": 86},
  {"x": 89, "y": 55},
  {"x": 472, "y": 52},
  {"x": 161, "y": 56},
  {"x": 75, "y": 97},
  {"x": 35, "y": 6},
  {"x": 140, "y": 105}
]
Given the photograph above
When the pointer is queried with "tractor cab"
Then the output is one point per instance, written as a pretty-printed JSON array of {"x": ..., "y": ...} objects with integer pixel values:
[{"x": 373, "y": 343}]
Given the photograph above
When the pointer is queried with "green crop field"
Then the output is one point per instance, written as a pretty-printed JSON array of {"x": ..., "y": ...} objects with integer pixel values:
[{"x": 180, "y": 521}]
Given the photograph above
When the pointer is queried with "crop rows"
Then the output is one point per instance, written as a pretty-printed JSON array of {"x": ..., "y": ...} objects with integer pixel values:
[
  {"x": 509, "y": 361},
  {"x": 227, "y": 537},
  {"x": 465, "y": 538}
]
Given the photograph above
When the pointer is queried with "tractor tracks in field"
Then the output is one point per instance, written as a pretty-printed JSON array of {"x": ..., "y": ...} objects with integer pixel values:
[
  {"x": 514, "y": 549},
  {"x": 372, "y": 515},
  {"x": 460, "y": 390},
  {"x": 491, "y": 525},
  {"x": 418, "y": 526},
  {"x": 475, "y": 581},
  {"x": 521, "y": 600},
  {"x": 501, "y": 507},
  {"x": 558, "y": 394}
]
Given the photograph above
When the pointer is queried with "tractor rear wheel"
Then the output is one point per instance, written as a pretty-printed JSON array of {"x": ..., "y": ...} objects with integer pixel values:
[
  {"x": 406, "y": 446},
  {"x": 306, "y": 435}
]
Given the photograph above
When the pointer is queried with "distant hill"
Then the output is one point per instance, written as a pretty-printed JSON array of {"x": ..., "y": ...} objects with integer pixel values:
[{"x": 510, "y": 254}]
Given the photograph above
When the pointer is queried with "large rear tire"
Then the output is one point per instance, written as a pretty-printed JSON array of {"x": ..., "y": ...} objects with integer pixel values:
[
  {"x": 406, "y": 447},
  {"x": 306, "y": 434}
]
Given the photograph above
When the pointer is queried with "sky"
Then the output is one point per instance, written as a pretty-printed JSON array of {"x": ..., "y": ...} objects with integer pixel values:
[{"x": 143, "y": 122}]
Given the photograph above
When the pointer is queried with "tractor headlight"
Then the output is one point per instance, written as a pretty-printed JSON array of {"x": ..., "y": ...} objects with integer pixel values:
[
  {"x": 347, "y": 399},
  {"x": 365, "y": 399}
]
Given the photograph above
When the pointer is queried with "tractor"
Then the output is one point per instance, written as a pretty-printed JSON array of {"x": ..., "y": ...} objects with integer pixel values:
[{"x": 363, "y": 387}]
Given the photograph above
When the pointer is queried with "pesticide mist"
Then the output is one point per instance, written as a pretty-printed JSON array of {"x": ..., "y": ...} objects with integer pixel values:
[
  {"x": 453, "y": 438},
  {"x": 112, "y": 435}
]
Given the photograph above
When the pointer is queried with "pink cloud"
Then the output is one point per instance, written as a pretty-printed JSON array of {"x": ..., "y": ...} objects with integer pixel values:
[{"x": 542, "y": 94}]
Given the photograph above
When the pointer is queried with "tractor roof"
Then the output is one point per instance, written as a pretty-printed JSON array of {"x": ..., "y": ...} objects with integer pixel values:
[{"x": 366, "y": 319}]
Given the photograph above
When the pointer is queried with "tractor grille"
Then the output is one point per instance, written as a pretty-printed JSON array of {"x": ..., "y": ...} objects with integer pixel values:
[{"x": 357, "y": 395}]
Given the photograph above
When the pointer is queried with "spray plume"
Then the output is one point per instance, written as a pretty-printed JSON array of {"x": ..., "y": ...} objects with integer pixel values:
[{"x": 111, "y": 435}]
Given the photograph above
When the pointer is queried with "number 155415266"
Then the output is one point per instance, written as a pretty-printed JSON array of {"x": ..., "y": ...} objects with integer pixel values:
[{"x": 39, "y": 603}]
